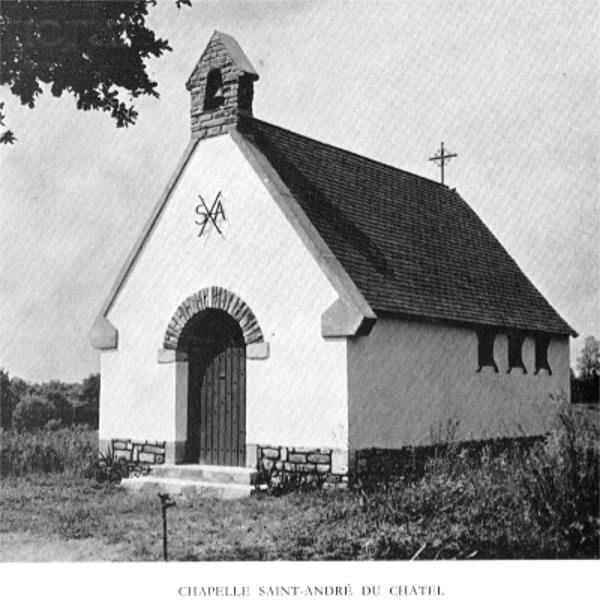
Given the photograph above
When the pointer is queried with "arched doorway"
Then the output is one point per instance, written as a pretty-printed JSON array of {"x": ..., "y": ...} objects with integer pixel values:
[{"x": 216, "y": 427}]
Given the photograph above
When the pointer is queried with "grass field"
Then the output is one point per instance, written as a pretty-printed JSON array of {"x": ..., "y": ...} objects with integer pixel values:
[{"x": 543, "y": 504}]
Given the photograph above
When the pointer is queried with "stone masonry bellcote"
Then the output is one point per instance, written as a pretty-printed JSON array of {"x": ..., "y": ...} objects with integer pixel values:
[{"x": 221, "y": 88}]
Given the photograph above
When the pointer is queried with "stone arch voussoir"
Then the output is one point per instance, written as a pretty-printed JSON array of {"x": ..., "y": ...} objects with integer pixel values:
[{"x": 217, "y": 298}]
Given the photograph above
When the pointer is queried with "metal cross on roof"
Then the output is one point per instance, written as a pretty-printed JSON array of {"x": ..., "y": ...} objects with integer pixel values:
[{"x": 441, "y": 158}]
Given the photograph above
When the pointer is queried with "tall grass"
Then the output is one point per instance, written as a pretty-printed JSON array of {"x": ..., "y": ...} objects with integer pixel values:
[
  {"x": 562, "y": 477},
  {"x": 66, "y": 450},
  {"x": 538, "y": 502},
  {"x": 505, "y": 501},
  {"x": 461, "y": 507}
]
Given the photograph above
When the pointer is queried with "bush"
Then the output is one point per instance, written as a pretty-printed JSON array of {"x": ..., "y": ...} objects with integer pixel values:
[
  {"x": 562, "y": 482},
  {"x": 68, "y": 450},
  {"x": 62, "y": 405},
  {"x": 85, "y": 415},
  {"x": 272, "y": 482},
  {"x": 33, "y": 412},
  {"x": 107, "y": 468},
  {"x": 506, "y": 500},
  {"x": 461, "y": 507},
  {"x": 53, "y": 425}
]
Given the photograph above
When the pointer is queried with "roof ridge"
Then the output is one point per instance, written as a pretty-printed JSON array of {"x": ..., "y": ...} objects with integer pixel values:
[{"x": 355, "y": 154}]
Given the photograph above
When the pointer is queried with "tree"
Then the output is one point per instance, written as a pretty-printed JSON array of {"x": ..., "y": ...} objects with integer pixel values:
[
  {"x": 89, "y": 398},
  {"x": 588, "y": 363},
  {"x": 62, "y": 405},
  {"x": 94, "y": 50},
  {"x": 33, "y": 412},
  {"x": 90, "y": 392},
  {"x": 20, "y": 388},
  {"x": 8, "y": 400},
  {"x": 585, "y": 388}
]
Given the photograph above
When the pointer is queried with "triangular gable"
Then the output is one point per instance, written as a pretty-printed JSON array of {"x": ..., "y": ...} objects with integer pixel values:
[{"x": 349, "y": 315}]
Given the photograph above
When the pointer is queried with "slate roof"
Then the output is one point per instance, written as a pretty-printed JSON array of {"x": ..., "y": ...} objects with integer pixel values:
[{"x": 412, "y": 246}]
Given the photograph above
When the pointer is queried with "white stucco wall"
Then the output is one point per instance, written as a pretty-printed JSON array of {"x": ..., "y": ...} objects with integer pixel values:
[
  {"x": 409, "y": 380},
  {"x": 296, "y": 397}
]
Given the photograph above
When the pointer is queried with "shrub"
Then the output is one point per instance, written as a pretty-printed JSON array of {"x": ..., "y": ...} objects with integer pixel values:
[
  {"x": 504, "y": 499},
  {"x": 561, "y": 478},
  {"x": 463, "y": 506},
  {"x": 62, "y": 405},
  {"x": 274, "y": 482},
  {"x": 53, "y": 425},
  {"x": 33, "y": 412},
  {"x": 85, "y": 415},
  {"x": 107, "y": 468}
]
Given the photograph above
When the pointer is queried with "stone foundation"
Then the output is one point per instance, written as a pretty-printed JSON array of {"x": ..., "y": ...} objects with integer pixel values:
[
  {"x": 306, "y": 464},
  {"x": 138, "y": 452},
  {"x": 410, "y": 463}
]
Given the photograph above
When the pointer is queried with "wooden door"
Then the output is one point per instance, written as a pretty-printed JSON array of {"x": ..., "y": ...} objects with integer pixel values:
[{"x": 217, "y": 404}]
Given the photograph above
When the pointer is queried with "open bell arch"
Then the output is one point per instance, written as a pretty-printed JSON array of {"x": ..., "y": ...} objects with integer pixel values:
[{"x": 216, "y": 298}]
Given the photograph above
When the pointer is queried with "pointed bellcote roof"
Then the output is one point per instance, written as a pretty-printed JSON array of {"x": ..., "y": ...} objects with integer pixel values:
[{"x": 221, "y": 87}]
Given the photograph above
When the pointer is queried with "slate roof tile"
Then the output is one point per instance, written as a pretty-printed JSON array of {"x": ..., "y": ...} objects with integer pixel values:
[{"x": 412, "y": 246}]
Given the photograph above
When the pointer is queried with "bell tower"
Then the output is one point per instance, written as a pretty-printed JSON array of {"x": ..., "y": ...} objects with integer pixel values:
[{"x": 221, "y": 88}]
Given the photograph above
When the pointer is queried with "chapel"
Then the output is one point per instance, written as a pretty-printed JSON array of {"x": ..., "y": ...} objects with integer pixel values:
[{"x": 294, "y": 302}]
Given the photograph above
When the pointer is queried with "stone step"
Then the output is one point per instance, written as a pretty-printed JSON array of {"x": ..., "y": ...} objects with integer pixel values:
[
  {"x": 151, "y": 484},
  {"x": 200, "y": 472}
]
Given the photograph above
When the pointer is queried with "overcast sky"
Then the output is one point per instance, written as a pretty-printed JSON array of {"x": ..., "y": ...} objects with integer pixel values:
[{"x": 511, "y": 87}]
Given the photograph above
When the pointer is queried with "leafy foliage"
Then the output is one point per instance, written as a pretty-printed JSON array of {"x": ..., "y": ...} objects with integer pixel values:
[
  {"x": 20, "y": 388},
  {"x": 461, "y": 508},
  {"x": 76, "y": 403},
  {"x": 8, "y": 137},
  {"x": 61, "y": 404},
  {"x": 588, "y": 363},
  {"x": 272, "y": 481},
  {"x": 8, "y": 400},
  {"x": 94, "y": 50},
  {"x": 33, "y": 412},
  {"x": 107, "y": 468},
  {"x": 562, "y": 477},
  {"x": 585, "y": 386},
  {"x": 90, "y": 392}
]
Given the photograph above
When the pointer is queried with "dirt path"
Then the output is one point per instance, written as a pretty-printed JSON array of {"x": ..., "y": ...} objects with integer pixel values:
[{"x": 15, "y": 547}]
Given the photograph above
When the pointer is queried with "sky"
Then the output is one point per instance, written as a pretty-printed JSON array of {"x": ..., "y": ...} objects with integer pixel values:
[{"x": 510, "y": 86}]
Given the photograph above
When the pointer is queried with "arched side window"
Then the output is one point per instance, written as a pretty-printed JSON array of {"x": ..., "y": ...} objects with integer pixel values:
[
  {"x": 485, "y": 338},
  {"x": 213, "y": 97},
  {"x": 515, "y": 352},
  {"x": 542, "y": 342}
]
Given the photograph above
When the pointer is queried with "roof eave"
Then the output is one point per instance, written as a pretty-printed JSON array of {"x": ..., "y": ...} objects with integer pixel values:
[{"x": 461, "y": 322}]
